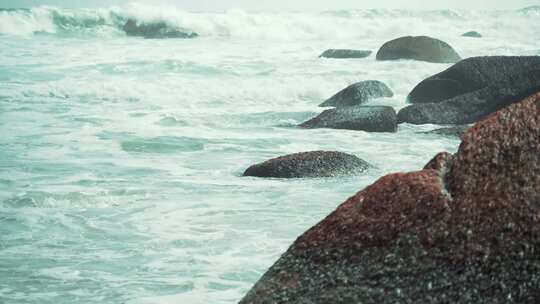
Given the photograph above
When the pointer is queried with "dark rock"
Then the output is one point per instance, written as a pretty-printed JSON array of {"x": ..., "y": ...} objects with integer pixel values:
[
  {"x": 358, "y": 93},
  {"x": 418, "y": 48},
  {"x": 309, "y": 164},
  {"x": 472, "y": 34},
  {"x": 370, "y": 119},
  {"x": 342, "y": 53},
  {"x": 470, "y": 75},
  {"x": 466, "y": 229},
  {"x": 471, "y": 107},
  {"x": 154, "y": 30},
  {"x": 455, "y": 131}
]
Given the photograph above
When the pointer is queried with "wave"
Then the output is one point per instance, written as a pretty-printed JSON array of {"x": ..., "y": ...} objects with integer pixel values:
[
  {"x": 171, "y": 21},
  {"x": 100, "y": 22},
  {"x": 531, "y": 11}
]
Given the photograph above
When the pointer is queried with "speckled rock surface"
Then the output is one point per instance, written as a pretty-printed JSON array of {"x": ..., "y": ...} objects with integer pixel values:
[
  {"x": 345, "y": 53},
  {"x": 364, "y": 118},
  {"x": 358, "y": 93},
  {"x": 470, "y": 75},
  {"x": 309, "y": 164},
  {"x": 465, "y": 229},
  {"x": 421, "y": 48},
  {"x": 471, "y": 107}
]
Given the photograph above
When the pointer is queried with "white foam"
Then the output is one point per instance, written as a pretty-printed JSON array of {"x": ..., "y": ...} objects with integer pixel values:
[{"x": 343, "y": 25}]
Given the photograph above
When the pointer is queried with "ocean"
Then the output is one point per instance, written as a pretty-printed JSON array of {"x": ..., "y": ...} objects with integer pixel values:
[{"x": 121, "y": 158}]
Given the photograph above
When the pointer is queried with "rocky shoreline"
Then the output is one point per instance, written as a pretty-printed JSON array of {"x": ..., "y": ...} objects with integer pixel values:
[{"x": 464, "y": 229}]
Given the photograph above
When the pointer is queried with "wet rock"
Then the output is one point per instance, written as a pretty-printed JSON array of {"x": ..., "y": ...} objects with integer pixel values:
[
  {"x": 472, "y": 34},
  {"x": 455, "y": 131},
  {"x": 154, "y": 30},
  {"x": 309, "y": 164},
  {"x": 440, "y": 162},
  {"x": 466, "y": 229},
  {"x": 471, "y": 107},
  {"x": 421, "y": 48},
  {"x": 368, "y": 118},
  {"x": 358, "y": 93},
  {"x": 470, "y": 75},
  {"x": 344, "y": 53}
]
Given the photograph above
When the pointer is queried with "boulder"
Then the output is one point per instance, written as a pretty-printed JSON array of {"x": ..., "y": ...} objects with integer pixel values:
[
  {"x": 471, "y": 107},
  {"x": 309, "y": 164},
  {"x": 344, "y": 53},
  {"x": 358, "y": 93},
  {"x": 421, "y": 48},
  {"x": 154, "y": 30},
  {"x": 472, "y": 34},
  {"x": 368, "y": 118},
  {"x": 465, "y": 229},
  {"x": 470, "y": 75}
]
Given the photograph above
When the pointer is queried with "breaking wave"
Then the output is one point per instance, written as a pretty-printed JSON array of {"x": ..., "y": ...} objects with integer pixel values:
[{"x": 339, "y": 24}]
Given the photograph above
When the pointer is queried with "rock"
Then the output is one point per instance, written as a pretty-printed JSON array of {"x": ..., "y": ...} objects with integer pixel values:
[
  {"x": 343, "y": 53},
  {"x": 472, "y": 34},
  {"x": 154, "y": 30},
  {"x": 470, "y": 75},
  {"x": 421, "y": 48},
  {"x": 358, "y": 93},
  {"x": 368, "y": 118},
  {"x": 466, "y": 229},
  {"x": 455, "y": 131},
  {"x": 309, "y": 164},
  {"x": 471, "y": 107}
]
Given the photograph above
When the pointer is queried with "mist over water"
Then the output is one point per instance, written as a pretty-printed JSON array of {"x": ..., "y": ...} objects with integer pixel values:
[{"x": 121, "y": 158}]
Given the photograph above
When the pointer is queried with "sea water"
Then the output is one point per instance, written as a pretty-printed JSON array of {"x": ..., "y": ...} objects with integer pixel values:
[{"x": 121, "y": 158}]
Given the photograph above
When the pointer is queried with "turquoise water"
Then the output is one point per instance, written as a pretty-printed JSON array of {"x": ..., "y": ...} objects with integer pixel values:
[{"x": 121, "y": 158}]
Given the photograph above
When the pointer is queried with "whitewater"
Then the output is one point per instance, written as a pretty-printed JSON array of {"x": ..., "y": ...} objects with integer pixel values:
[{"x": 121, "y": 157}]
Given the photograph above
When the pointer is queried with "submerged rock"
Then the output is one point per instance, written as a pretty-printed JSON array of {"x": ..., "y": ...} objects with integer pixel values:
[
  {"x": 465, "y": 229},
  {"x": 471, "y": 107},
  {"x": 358, "y": 93},
  {"x": 366, "y": 118},
  {"x": 470, "y": 75},
  {"x": 344, "y": 53},
  {"x": 455, "y": 131},
  {"x": 472, "y": 34},
  {"x": 309, "y": 164},
  {"x": 421, "y": 48},
  {"x": 154, "y": 30}
]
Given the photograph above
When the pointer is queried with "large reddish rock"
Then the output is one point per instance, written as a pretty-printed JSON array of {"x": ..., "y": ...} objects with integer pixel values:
[{"x": 465, "y": 229}]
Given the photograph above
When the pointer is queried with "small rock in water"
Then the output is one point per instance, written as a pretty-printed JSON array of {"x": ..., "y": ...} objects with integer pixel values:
[
  {"x": 360, "y": 118},
  {"x": 358, "y": 93},
  {"x": 472, "y": 34},
  {"x": 455, "y": 131},
  {"x": 421, "y": 48},
  {"x": 154, "y": 30},
  {"x": 309, "y": 164},
  {"x": 344, "y": 53}
]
